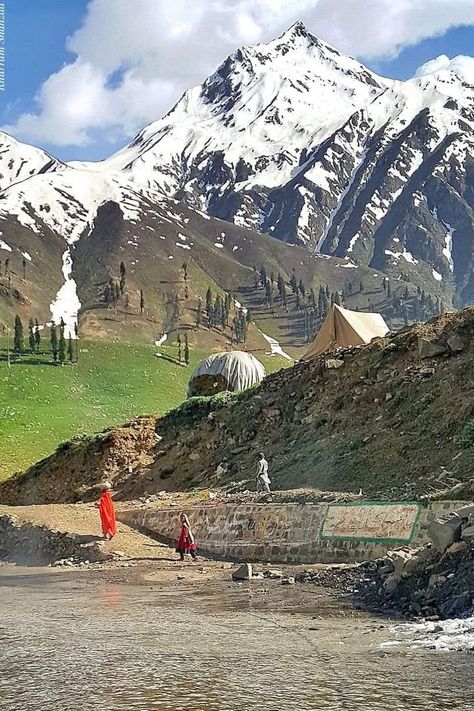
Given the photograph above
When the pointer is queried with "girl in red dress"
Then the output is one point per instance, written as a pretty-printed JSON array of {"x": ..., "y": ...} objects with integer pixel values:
[
  {"x": 186, "y": 543},
  {"x": 107, "y": 512}
]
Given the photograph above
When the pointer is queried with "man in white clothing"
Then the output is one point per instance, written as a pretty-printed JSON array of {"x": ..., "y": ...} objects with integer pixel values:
[{"x": 262, "y": 473}]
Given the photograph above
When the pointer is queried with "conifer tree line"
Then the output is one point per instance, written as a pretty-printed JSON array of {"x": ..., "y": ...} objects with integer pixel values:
[
  {"x": 314, "y": 306},
  {"x": 62, "y": 349},
  {"x": 217, "y": 314},
  {"x": 116, "y": 292}
]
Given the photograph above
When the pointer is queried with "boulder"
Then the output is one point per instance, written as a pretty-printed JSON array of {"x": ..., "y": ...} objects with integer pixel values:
[
  {"x": 445, "y": 531},
  {"x": 399, "y": 558},
  {"x": 455, "y": 343},
  {"x": 391, "y": 584},
  {"x": 288, "y": 581},
  {"x": 456, "y": 605},
  {"x": 456, "y": 547},
  {"x": 428, "y": 349},
  {"x": 466, "y": 511},
  {"x": 468, "y": 533},
  {"x": 243, "y": 573}
]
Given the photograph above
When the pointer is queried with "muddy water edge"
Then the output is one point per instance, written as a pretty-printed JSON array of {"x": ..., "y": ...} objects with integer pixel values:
[{"x": 150, "y": 641}]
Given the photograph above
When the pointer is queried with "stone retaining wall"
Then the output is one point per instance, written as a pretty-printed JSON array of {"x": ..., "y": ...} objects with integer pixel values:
[{"x": 296, "y": 533}]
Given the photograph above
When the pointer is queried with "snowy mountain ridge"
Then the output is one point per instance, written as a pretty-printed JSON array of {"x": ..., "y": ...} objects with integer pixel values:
[{"x": 297, "y": 140}]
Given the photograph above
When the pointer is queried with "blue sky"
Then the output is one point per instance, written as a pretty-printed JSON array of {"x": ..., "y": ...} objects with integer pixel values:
[{"x": 63, "y": 94}]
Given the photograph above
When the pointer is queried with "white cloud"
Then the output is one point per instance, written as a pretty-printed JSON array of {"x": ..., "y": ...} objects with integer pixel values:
[
  {"x": 134, "y": 58},
  {"x": 462, "y": 65}
]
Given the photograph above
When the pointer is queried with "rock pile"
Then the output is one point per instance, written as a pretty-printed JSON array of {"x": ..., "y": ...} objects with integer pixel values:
[
  {"x": 433, "y": 582},
  {"x": 27, "y": 543}
]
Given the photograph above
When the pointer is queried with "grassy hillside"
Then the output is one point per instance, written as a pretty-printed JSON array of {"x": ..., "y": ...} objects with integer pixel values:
[
  {"x": 394, "y": 418},
  {"x": 42, "y": 405}
]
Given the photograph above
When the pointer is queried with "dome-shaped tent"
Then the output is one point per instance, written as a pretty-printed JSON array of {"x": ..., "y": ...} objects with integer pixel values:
[{"x": 232, "y": 370}]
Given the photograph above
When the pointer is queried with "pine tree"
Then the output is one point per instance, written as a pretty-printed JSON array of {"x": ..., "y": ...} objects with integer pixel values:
[
  {"x": 263, "y": 276},
  {"x": 361, "y": 287},
  {"x": 7, "y": 266},
  {"x": 18, "y": 335},
  {"x": 199, "y": 313},
  {"x": 389, "y": 289},
  {"x": 312, "y": 298},
  {"x": 54, "y": 341},
  {"x": 23, "y": 263},
  {"x": 248, "y": 317},
  {"x": 126, "y": 304},
  {"x": 142, "y": 302},
  {"x": 62, "y": 343},
  {"x": 186, "y": 349},
  {"x": 349, "y": 288},
  {"x": 302, "y": 287},
  {"x": 209, "y": 304},
  {"x": 178, "y": 343},
  {"x": 337, "y": 298},
  {"x": 406, "y": 295},
  {"x": 31, "y": 335},
  {"x": 70, "y": 349},
  {"x": 298, "y": 300},
  {"x": 185, "y": 271},
  {"x": 268, "y": 293},
  {"x": 293, "y": 283},
  {"x": 37, "y": 336},
  {"x": 123, "y": 275},
  {"x": 384, "y": 284}
]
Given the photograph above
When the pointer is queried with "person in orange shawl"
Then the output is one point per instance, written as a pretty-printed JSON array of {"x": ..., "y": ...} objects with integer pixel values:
[
  {"x": 186, "y": 543},
  {"x": 107, "y": 512}
]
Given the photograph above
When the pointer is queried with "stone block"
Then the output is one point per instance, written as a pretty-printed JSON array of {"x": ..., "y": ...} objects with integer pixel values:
[
  {"x": 245, "y": 572},
  {"x": 445, "y": 531}
]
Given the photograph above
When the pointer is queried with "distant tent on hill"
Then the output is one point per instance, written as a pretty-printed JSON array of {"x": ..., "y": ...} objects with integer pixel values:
[
  {"x": 342, "y": 328},
  {"x": 232, "y": 370}
]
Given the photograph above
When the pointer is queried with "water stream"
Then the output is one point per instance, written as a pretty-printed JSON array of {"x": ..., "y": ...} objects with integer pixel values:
[{"x": 82, "y": 644}]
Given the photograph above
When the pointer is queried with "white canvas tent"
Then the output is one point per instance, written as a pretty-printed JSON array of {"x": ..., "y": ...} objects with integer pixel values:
[
  {"x": 342, "y": 328},
  {"x": 232, "y": 370}
]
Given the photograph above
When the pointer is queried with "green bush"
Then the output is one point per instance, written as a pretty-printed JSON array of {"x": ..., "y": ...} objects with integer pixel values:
[{"x": 466, "y": 438}]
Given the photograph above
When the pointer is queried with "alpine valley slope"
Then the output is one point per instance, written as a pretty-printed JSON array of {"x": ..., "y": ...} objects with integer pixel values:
[
  {"x": 297, "y": 140},
  {"x": 291, "y": 139}
]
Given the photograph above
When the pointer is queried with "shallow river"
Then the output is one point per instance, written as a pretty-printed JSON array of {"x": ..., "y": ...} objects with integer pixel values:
[{"x": 80, "y": 645}]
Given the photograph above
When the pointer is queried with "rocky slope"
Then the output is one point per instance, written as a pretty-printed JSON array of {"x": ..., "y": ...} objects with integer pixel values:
[{"x": 393, "y": 420}]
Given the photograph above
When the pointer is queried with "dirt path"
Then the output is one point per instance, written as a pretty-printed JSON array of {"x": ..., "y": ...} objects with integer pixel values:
[{"x": 83, "y": 520}]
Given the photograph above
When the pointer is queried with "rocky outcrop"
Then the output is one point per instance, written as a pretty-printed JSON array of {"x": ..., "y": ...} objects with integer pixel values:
[{"x": 433, "y": 582}]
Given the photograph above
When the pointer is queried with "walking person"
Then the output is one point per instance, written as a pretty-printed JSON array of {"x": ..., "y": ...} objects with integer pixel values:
[
  {"x": 107, "y": 512},
  {"x": 186, "y": 542},
  {"x": 263, "y": 480}
]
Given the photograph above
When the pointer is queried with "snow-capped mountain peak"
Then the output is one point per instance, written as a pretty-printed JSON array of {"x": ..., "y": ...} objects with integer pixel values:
[
  {"x": 19, "y": 161},
  {"x": 293, "y": 138}
]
